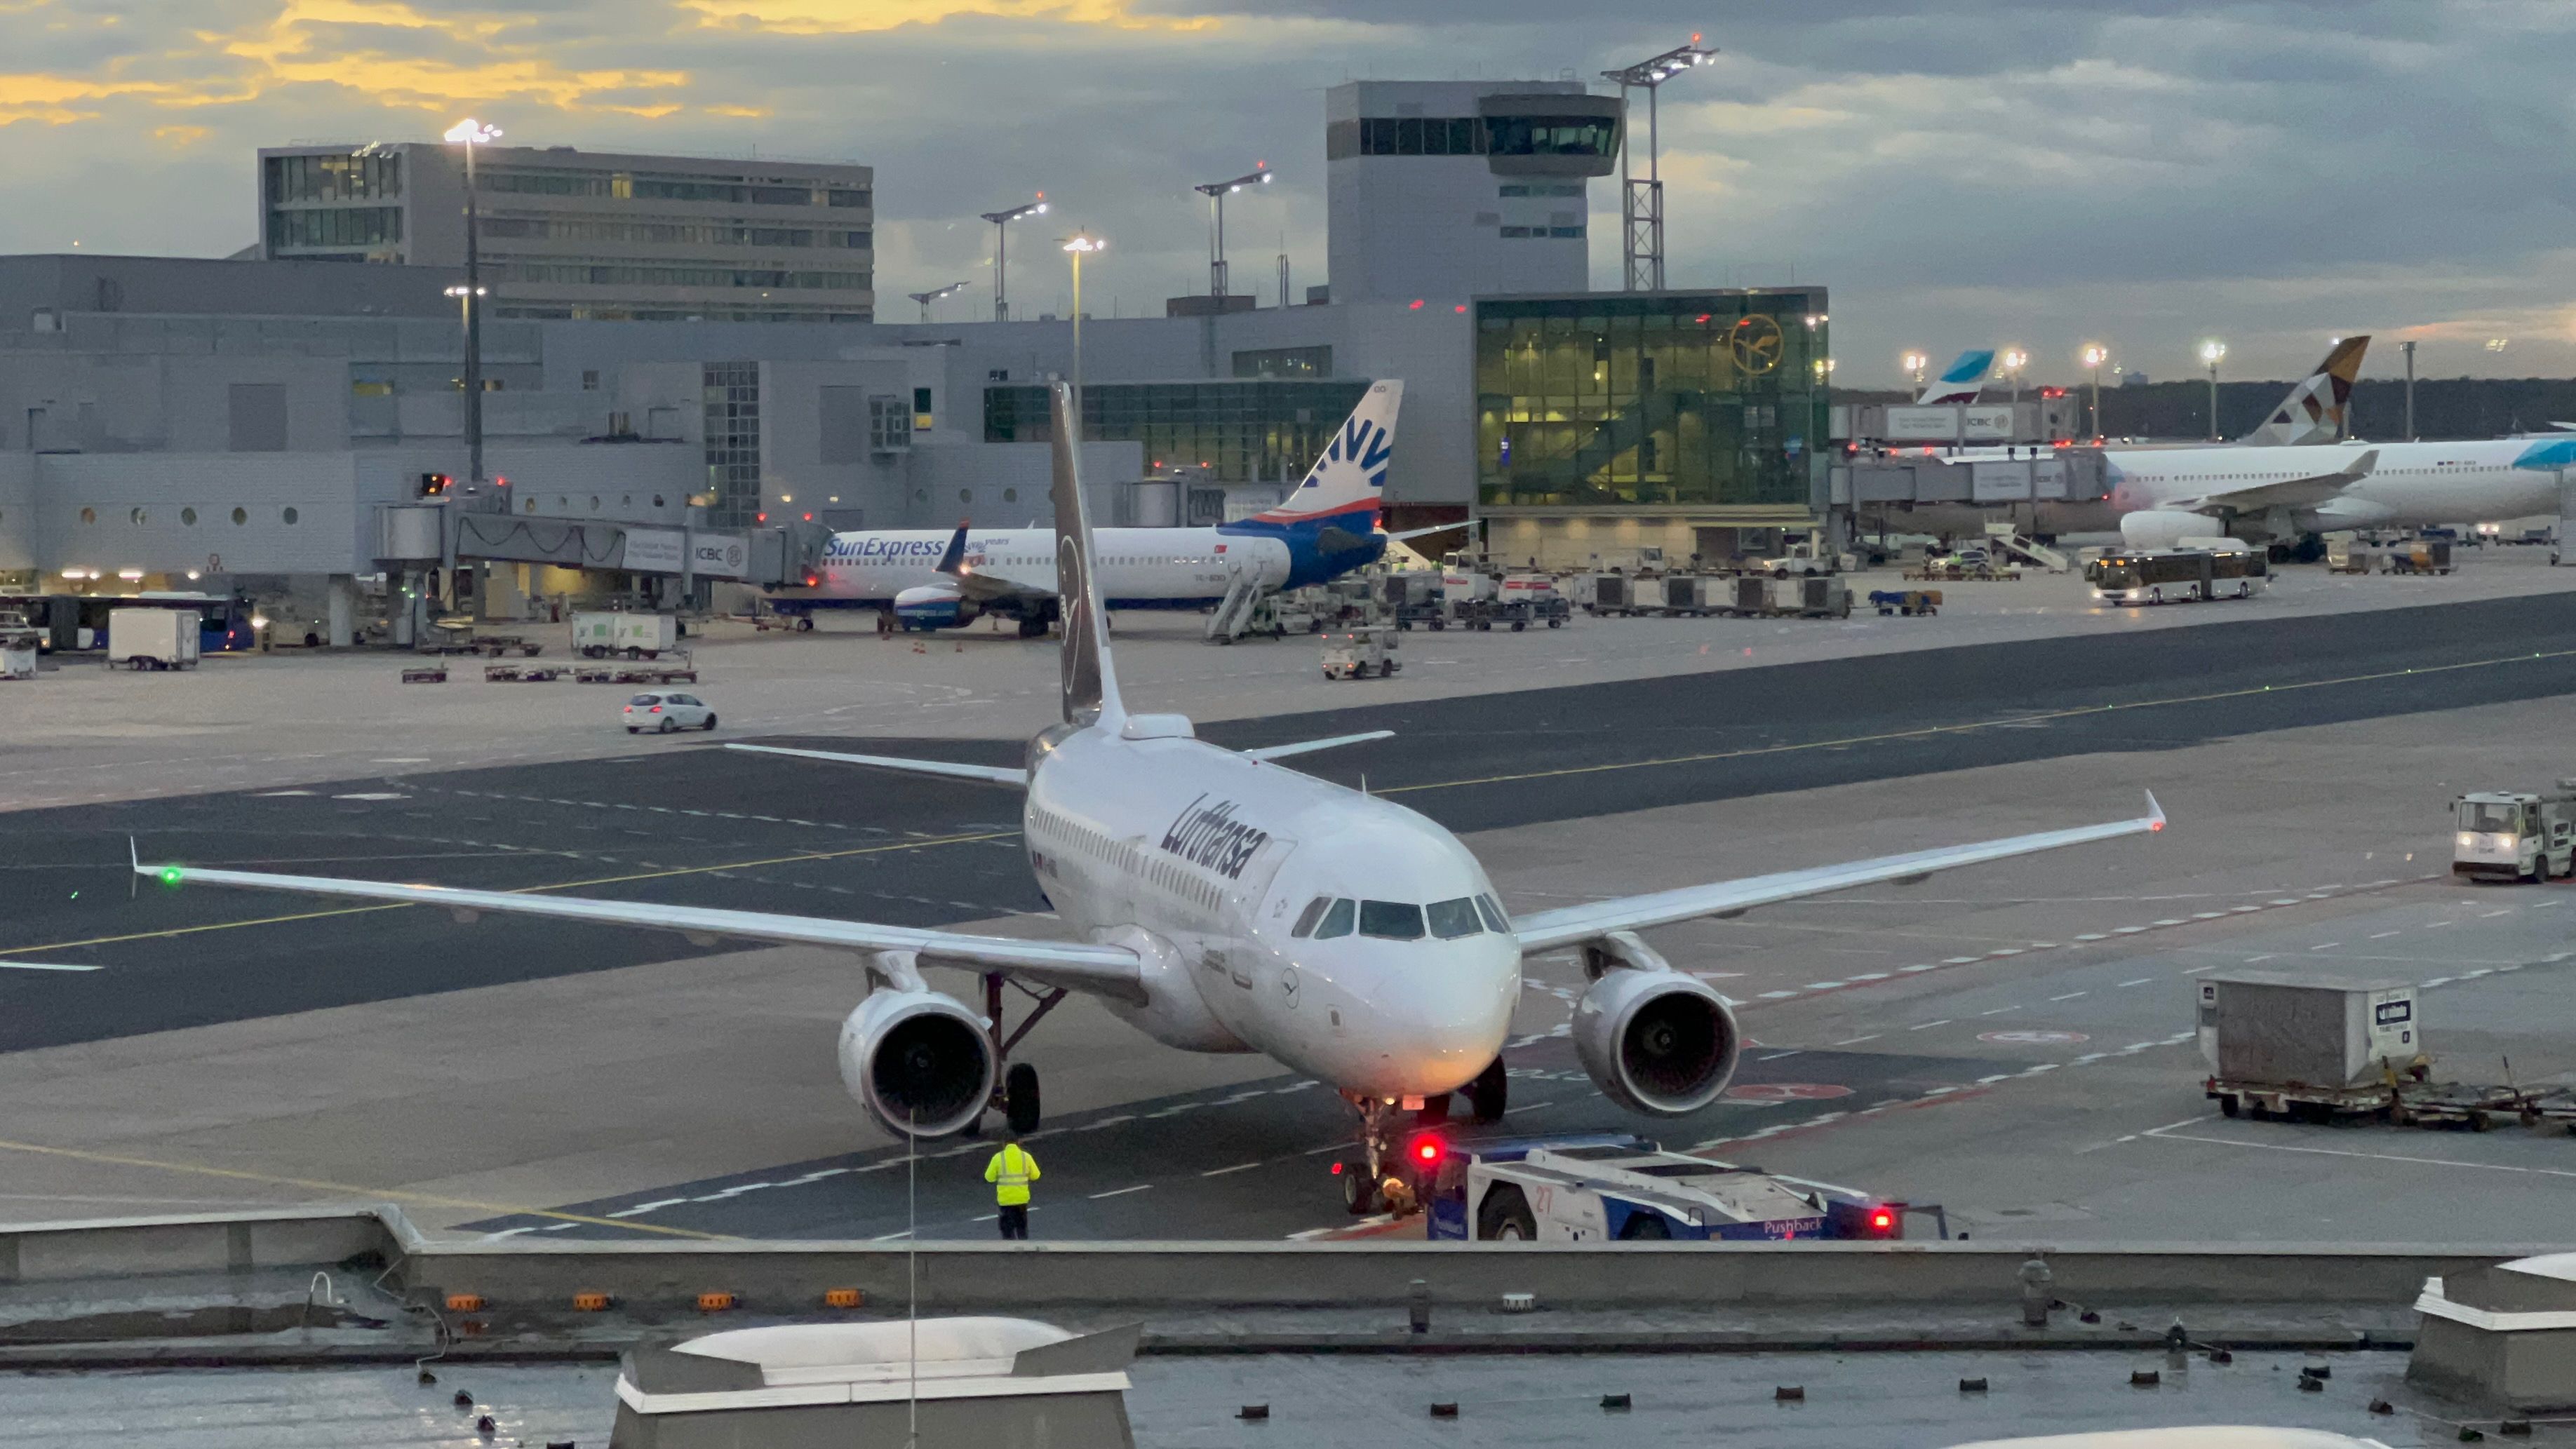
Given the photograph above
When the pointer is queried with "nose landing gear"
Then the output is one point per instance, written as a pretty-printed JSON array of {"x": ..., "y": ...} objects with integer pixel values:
[{"x": 1375, "y": 1180}]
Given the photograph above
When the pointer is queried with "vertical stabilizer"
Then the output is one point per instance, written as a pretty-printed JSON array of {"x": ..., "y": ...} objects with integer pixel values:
[
  {"x": 1962, "y": 380},
  {"x": 2314, "y": 410},
  {"x": 1090, "y": 685},
  {"x": 1347, "y": 482}
]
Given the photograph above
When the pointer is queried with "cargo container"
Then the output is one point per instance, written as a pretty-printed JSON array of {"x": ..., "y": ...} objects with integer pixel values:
[
  {"x": 152, "y": 638},
  {"x": 636, "y": 635},
  {"x": 2284, "y": 1029}
]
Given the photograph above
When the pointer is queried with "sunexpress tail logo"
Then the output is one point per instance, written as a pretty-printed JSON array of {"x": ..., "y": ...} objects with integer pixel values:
[
  {"x": 1361, "y": 444},
  {"x": 1208, "y": 836}
]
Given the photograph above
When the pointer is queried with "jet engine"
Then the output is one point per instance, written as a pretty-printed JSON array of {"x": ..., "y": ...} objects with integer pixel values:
[
  {"x": 920, "y": 1062},
  {"x": 935, "y": 606},
  {"x": 1652, "y": 1039},
  {"x": 2165, "y": 527}
]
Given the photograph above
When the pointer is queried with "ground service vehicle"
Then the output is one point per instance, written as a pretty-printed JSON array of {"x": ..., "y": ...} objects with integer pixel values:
[
  {"x": 662, "y": 712},
  {"x": 2515, "y": 835},
  {"x": 2423, "y": 556},
  {"x": 636, "y": 636},
  {"x": 2174, "y": 575},
  {"x": 1622, "y": 1188},
  {"x": 148, "y": 638},
  {"x": 1359, "y": 652}
]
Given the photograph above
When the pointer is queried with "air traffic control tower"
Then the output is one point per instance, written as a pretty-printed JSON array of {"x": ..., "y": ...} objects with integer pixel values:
[{"x": 1462, "y": 188}]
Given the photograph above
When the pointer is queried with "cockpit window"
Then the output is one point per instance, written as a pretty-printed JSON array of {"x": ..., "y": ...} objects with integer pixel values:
[
  {"x": 1391, "y": 920},
  {"x": 1495, "y": 920},
  {"x": 1337, "y": 920},
  {"x": 1307, "y": 918},
  {"x": 1451, "y": 920}
]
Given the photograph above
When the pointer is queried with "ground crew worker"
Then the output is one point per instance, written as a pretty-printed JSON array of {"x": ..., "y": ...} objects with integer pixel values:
[{"x": 1011, "y": 1171}]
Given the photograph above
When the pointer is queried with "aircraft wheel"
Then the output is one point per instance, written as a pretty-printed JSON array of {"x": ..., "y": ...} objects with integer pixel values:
[
  {"x": 1435, "y": 1110},
  {"x": 1020, "y": 1097},
  {"x": 1490, "y": 1092},
  {"x": 1359, "y": 1190},
  {"x": 1505, "y": 1216}
]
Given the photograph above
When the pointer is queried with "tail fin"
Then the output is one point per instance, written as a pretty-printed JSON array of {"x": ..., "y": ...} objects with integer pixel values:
[
  {"x": 1346, "y": 483},
  {"x": 1962, "y": 380},
  {"x": 2314, "y": 410},
  {"x": 953, "y": 557},
  {"x": 1090, "y": 686}
]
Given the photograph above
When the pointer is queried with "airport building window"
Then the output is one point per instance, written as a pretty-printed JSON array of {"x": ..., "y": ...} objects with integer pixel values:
[
  {"x": 338, "y": 226},
  {"x": 1240, "y": 430},
  {"x": 690, "y": 274},
  {"x": 731, "y": 399},
  {"x": 1285, "y": 362},
  {"x": 1640, "y": 400},
  {"x": 334, "y": 178}
]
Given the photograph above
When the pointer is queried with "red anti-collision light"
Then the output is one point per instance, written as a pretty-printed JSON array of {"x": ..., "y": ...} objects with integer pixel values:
[
  {"x": 1881, "y": 1220},
  {"x": 1337, "y": 1169}
]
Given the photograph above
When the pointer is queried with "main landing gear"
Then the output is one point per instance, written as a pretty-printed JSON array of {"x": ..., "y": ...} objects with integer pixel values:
[
  {"x": 1384, "y": 1176},
  {"x": 1016, "y": 1098}
]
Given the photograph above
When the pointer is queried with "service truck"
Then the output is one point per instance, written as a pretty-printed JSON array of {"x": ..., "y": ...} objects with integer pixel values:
[
  {"x": 634, "y": 635},
  {"x": 152, "y": 638},
  {"x": 2515, "y": 835},
  {"x": 1615, "y": 1187}
]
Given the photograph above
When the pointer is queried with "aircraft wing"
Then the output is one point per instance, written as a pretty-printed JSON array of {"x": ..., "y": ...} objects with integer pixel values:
[
  {"x": 1074, "y": 965},
  {"x": 973, "y": 583},
  {"x": 1566, "y": 925},
  {"x": 2284, "y": 492}
]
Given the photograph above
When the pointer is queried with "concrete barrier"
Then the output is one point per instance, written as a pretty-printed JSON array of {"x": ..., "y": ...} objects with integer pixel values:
[{"x": 202, "y": 1243}]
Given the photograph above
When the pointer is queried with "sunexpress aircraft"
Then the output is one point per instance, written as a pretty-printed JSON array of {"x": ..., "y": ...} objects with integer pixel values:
[{"x": 938, "y": 580}]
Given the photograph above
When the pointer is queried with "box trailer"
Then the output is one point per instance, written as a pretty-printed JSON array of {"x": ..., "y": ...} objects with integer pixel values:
[
  {"x": 634, "y": 635},
  {"x": 152, "y": 638},
  {"x": 2289, "y": 1029}
]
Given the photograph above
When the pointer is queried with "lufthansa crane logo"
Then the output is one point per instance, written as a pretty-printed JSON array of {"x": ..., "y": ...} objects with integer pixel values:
[{"x": 1757, "y": 345}]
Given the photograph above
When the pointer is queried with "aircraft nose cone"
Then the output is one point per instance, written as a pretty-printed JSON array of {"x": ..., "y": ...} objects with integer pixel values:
[{"x": 1454, "y": 1016}]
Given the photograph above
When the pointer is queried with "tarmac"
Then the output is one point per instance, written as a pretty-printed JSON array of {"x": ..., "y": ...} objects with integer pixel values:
[{"x": 2010, "y": 1042}]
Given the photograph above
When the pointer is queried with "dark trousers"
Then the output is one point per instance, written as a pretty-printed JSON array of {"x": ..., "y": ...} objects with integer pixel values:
[{"x": 1015, "y": 1221}]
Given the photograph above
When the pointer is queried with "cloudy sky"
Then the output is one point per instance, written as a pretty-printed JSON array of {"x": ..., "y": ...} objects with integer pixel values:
[{"x": 2045, "y": 173}]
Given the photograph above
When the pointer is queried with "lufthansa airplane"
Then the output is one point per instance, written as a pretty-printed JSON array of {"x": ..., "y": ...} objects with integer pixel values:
[
  {"x": 937, "y": 580},
  {"x": 1220, "y": 901}
]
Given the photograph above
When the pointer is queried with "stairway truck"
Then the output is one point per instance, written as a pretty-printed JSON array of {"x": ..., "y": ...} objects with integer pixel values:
[
  {"x": 1618, "y": 1188},
  {"x": 2515, "y": 834},
  {"x": 2275, "y": 1039}
]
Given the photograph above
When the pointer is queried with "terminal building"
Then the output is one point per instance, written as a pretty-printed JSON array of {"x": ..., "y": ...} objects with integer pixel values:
[{"x": 255, "y": 419}]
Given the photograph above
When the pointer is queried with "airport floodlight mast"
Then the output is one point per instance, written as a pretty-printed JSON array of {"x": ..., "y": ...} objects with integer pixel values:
[
  {"x": 2094, "y": 355},
  {"x": 470, "y": 133},
  {"x": 2408, "y": 348},
  {"x": 1079, "y": 245},
  {"x": 1216, "y": 192},
  {"x": 1914, "y": 363},
  {"x": 1641, "y": 199},
  {"x": 933, "y": 295},
  {"x": 2210, "y": 352},
  {"x": 1001, "y": 221},
  {"x": 2014, "y": 360}
]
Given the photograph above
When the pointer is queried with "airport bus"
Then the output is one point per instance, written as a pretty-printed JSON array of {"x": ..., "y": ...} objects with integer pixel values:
[
  {"x": 2173, "y": 575},
  {"x": 68, "y": 622}
]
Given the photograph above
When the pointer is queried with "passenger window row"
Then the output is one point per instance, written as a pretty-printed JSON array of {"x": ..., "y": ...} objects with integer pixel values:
[{"x": 1326, "y": 917}]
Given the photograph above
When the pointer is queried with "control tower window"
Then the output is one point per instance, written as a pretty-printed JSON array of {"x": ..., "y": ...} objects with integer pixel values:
[{"x": 1552, "y": 135}]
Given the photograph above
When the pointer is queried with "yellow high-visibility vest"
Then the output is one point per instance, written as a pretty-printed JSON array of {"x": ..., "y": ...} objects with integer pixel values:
[{"x": 1011, "y": 1171}]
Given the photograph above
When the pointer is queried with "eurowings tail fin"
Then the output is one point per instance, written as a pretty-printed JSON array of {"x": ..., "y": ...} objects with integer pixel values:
[
  {"x": 2314, "y": 410},
  {"x": 1090, "y": 684},
  {"x": 1962, "y": 380}
]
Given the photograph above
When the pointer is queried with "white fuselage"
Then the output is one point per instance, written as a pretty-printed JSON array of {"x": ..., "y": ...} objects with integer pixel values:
[
  {"x": 1135, "y": 567},
  {"x": 1204, "y": 861}
]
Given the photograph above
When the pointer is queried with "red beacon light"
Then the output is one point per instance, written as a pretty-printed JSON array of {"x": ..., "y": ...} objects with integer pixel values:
[
  {"x": 1426, "y": 1150},
  {"x": 1882, "y": 1221}
]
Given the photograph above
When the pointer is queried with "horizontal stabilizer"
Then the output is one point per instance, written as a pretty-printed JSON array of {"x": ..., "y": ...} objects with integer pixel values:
[
  {"x": 990, "y": 774},
  {"x": 1308, "y": 747}
]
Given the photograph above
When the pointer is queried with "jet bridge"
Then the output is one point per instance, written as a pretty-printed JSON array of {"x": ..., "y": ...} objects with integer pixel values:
[{"x": 1928, "y": 475}]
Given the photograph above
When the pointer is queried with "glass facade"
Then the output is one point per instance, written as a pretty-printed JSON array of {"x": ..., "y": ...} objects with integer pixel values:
[
  {"x": 1472, "y": 136},
  {"x": 1285, "y": 362},
  {"x": 733, "y": 233},
  {"x": 681, "y": 274},
  {"x": 334, "y": 178},
  {"x": 335, "y": 226},
  {"x": 732, "y": 397},
  {"x": 650, "y": 186},
  {"x": 1633, "y": 400},
  {"x": 1242, "y": 431}
]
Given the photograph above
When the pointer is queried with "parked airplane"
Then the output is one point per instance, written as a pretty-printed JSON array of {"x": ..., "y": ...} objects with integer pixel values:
[
  {"x": 2282, "y": 494},
  {"x": 936, "y": 580},
  {"x": 2315, "y": 409},
  {"x": 1222, "y": 903}
]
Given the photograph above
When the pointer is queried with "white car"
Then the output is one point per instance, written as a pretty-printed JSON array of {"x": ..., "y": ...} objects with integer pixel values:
[{"x": 665, "y": 711}]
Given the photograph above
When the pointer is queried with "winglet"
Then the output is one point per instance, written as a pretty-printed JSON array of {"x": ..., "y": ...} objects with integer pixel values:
[
  {"x": 954, "y": 559},
  {"x": 2155, "y": 813},
  {"x": 2363, "y": 466}
]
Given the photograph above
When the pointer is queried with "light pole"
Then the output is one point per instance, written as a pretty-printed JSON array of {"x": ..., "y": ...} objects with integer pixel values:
[
  {"x": 2095, "y": 354},
  {"x": 470, "y": 133},
  {"x": 2014, "y": 360},
  {"x": 1001, "y": 221},
  {"x": 2409, "y": 349},
  {"x": 1641, "y": 202},
  {"x": 1216, "y": 192},
  {"x": 933, "y": 295},
  {"x": 1914, "y": 363},
  {"x": 2210, "y": 352},
  {"x": 1079, "y": 245}
]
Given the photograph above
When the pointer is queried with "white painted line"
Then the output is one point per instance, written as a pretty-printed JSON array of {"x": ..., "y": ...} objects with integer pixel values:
[
  {"x": 1777, "y": 995},
  {"x": 2090, "y": 936},
  {"x": 2127, "y": 930},
  {"x": 642, "y": 1208},
  {"x": 2284, "y": 901},
  {"x": 1990, "y": 1081},
  {"x": 1826, "y": 985},
  {"x": 1961, "y": 960},
  {"x": 1998, "y": 1011},
  {"x": 2240, "y": 910},
  {"x": 1104, "y": 1122},
  {"x": 2169, "y": 1135},
  {"x": 2004, "y": 951},
  {"x": 2196, "y": 970},
  {"x": 1928, "y": 1025},
  {"x": 2141, "y": 981},
  {"x": 1869, "y": 976},
  {"x": 2043, "y": 945},
  {"x": 2474, "y": 975},
  {"x": 897, "y": 1236},
  {"x": 2325, "y": 945},
  {"x": 1120, "y": 1191},
  {"x": 2200, "y": 916},
  {"x": 2266, "y": 956},
  {"x": 2437, "y": 925},
  {"x": 2436, "y": 981},
  {"x": 2484, "y": 915},
  {"x": 42, "y": 966},
  {"x": 2070, "y": 996},
  {"x": 2090, "y": 1057},
  {"x": 2170, "y": 921},
  {"x": 1909, "y": 970},
  {"x": 1775, "y": 1056},
  {"x": 1222, "y": 1171},
  {"x": 2381, "y": 935},
  {"x": 2042, "y": 1067},
  {"x": 2139, "y": 1046},
  {"x": 1850, "y": 1040}
]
